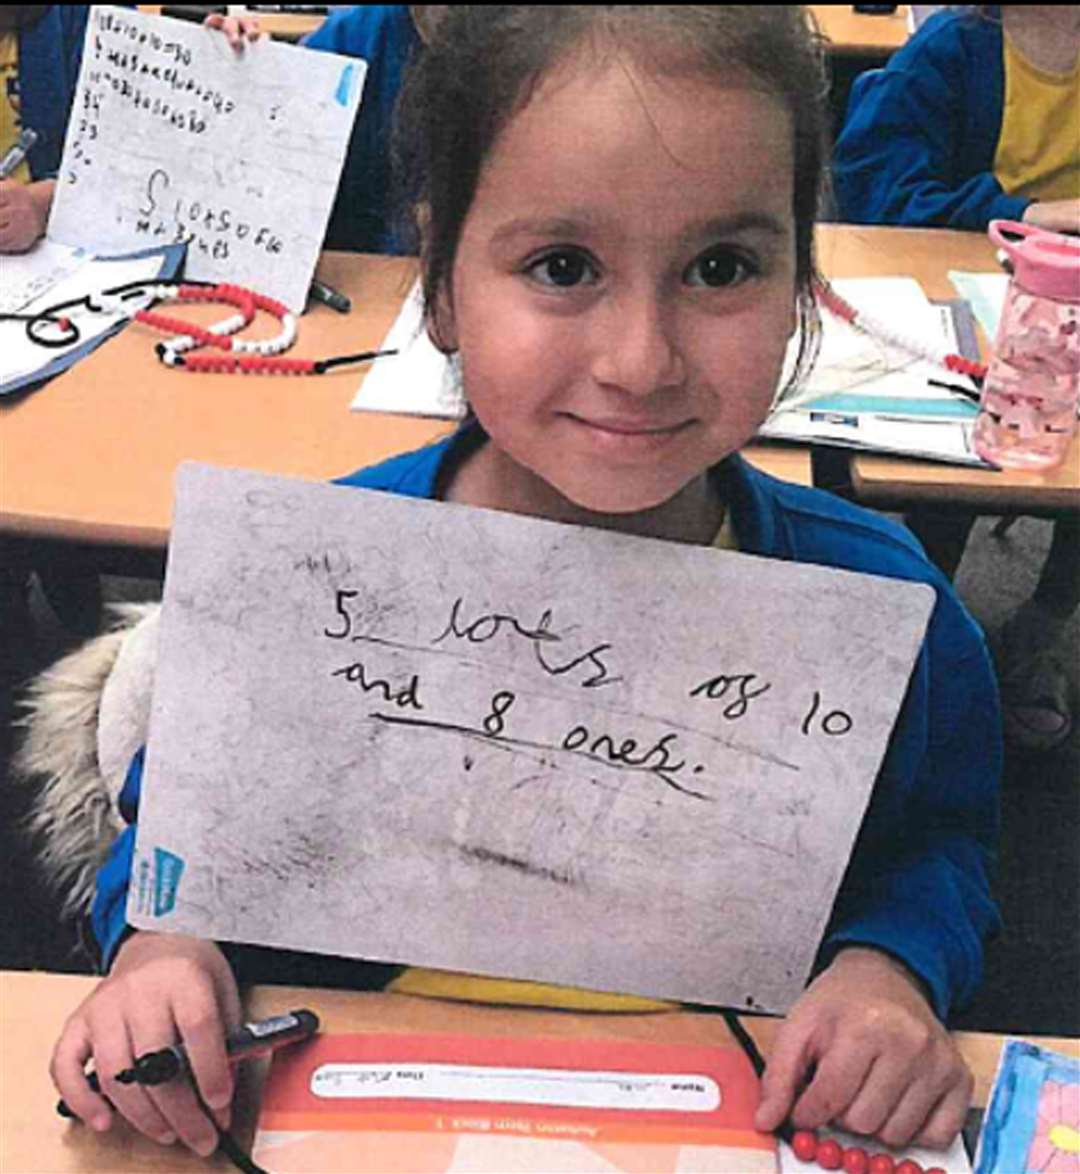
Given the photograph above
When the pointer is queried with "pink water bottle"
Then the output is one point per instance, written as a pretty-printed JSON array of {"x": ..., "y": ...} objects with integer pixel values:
[{"x": 1027, "y": 413}]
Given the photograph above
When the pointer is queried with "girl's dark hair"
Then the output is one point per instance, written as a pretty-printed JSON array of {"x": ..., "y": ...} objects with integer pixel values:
[{"x": 483, "y": 63}]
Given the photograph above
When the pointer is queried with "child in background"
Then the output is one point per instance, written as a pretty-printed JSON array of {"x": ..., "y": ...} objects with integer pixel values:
[
  {"x": 616, "y": 210},
  {"x": 975, "y": 119}
]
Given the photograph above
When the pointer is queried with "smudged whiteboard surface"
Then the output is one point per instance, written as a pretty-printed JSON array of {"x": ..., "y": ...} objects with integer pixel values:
[
  {"x": 412, "y": 731},
  {"x": 175, "y": 137}
]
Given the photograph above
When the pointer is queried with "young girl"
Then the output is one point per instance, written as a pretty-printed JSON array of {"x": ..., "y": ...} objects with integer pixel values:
[{"x": 617, "y": 213}]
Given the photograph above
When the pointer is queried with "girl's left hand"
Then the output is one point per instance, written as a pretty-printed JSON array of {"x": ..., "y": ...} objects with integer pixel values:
[
  {"x": 882, "y": 1064},
  {"x": 237, "y": 29}
]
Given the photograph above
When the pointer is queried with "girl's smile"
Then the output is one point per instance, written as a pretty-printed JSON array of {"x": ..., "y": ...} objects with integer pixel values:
[{"x": 623, "y": 291}]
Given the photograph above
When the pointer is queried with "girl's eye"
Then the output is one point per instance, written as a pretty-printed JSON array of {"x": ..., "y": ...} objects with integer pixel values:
[
  {"x": 564, "y": 270},
  {"x": 720, "y": 268}
]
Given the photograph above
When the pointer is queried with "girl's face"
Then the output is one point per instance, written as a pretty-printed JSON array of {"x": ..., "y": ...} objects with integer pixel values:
[{"x": 624, "y": 288}]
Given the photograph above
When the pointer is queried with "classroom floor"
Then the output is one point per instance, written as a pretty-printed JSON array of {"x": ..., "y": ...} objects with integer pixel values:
[{"x": 1033, "y": 969}]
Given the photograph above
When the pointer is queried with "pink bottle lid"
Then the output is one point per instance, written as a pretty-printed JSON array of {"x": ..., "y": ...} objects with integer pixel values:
[{"x": 1045, "y": 263}]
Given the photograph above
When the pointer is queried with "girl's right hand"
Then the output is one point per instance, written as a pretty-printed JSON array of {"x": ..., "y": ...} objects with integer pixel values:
[{"x": 163, "y": 988}]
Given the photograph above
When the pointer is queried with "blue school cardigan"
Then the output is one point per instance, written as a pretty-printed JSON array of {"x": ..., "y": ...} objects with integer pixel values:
[
  {"x": 917, "y": 883},
  {"x": 50, "y": 53},
  {"x": 919, "y": 142}
]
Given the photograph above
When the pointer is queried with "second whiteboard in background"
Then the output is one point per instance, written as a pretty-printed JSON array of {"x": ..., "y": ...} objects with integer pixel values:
[{"x": 175, "y": 137}]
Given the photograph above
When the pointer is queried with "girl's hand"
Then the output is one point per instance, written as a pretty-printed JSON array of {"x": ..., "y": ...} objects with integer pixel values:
[
  {"x": 881, "y": 1062},
  {"x": 237, "y": 29},
  {"x": 162, "y": 988}
]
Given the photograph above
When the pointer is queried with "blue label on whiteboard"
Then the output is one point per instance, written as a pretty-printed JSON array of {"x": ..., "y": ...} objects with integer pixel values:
[
  {"x": 345, "y": 86},
  {"x": 167, "y": 872}
]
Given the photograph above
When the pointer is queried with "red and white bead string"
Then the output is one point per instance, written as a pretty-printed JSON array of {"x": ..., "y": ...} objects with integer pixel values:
[{"x": 222, "y": 334}]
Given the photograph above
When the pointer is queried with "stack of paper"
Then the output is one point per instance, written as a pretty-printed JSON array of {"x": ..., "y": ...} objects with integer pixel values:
[{"x": 867, "y": 394}]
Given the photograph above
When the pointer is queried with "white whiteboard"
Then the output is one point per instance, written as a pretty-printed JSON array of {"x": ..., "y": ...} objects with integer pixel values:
[
  {"x": 173, "y": 137},
  {"x": 419, "y": 732}
]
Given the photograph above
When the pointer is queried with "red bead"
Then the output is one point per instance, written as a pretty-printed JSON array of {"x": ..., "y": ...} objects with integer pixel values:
[
  {"x": 881, "y": 1164},
  {"x": 907, "y": 1166},
  {"x": 856, "y": 1161},
  {"x": 804, "y": 1145},
  {"x": 830, "y": 1154},
  {"x": 935, "y": 1170}
]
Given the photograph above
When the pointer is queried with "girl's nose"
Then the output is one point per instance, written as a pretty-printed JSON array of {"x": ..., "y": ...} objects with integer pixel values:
[{"x": 637, "y": 350}]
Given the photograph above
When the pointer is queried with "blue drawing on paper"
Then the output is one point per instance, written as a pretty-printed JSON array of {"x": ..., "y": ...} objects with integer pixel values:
[
  {"x": 1032, "y": 1123},
  {"x": 343, "y": 95}
]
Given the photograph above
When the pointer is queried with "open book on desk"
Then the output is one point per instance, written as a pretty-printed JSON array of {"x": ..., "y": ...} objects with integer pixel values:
[{"x": 864, "y": 393}]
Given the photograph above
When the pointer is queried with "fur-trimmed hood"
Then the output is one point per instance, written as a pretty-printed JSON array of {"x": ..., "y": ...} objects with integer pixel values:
[{"x": 84, "y": 717}]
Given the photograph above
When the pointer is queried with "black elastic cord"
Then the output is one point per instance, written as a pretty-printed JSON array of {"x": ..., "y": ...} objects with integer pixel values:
[
  {"x": 230, "y": 1147},
  {"x": 785, "y": 1130},
  {"x": 124, "y": 291},
  {"x": 324, "y": 365},
  {"x": 227, "y": 1144}
]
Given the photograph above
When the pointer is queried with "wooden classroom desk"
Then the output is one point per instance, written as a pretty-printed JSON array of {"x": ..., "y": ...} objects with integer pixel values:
[
  {"x": 34, "y": 1006},
  {"x": 90, "y": 457},
  {"x": 851, "y": 33},
  {"x": 891, "y": 482}
]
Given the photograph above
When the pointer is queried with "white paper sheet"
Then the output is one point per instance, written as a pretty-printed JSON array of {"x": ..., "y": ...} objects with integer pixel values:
[
  {"x": 30, "y": 275},
  {"x": 413, "y": 731},
  {"x": 22, "y": 360},
  {"x": 419, "y": 380},
  {"x": 867, "y": 394},
  {"x": 853, "y": 366},
  {"x": 173, "y": 136}
]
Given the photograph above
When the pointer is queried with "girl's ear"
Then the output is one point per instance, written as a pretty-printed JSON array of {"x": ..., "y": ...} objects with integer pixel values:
[{"x": 441, "y": 327}]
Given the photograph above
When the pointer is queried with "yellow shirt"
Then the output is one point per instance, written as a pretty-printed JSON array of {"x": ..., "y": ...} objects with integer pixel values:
[
  {"x": 474, "y": 988},
  {"x": 1038, "y": 151},
  {"x": 10, "y": 120}
]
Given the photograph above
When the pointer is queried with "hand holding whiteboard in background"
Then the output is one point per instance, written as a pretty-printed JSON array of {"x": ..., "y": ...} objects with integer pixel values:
[
  {"x": 175, "y": 137},
  {"x": 419, "y": 732}
]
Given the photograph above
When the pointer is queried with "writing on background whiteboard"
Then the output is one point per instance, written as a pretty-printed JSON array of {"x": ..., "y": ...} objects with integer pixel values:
[{"x": 174, "y": 137}]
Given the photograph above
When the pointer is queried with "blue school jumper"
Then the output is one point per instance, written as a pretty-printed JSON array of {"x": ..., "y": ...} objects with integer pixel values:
[
  {"x": 50, "y": 53},
  {"x": 921, "y": 134},
  {"x": 917, "y": 883}
]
